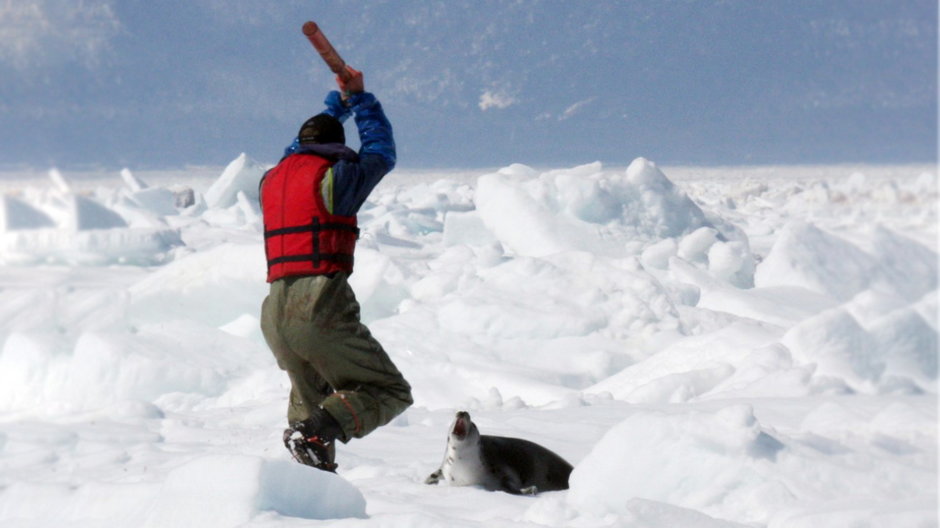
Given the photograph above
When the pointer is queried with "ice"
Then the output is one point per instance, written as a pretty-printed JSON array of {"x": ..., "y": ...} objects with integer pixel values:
[
  {"x": 61, "y": 225},
  {"x": 805, "y": 255},
  {"x": 59, "y": 181},
  {"x": 15, "y": 214},
  {"x": 715, "y": 462},
  {"x": 212, "y": 490},
  {"x": 161, "y": 202},
  {"x": 86, "y": 214},
  {"x": 907, "y": 343},
  {"x": 133, "y": 183},
  {"x": 585, "y": 208},
  {"x": 709, "y": 347},
  {"x": 214, "y": 286},
  {"x": 729, "y": 465},
  {"x": 838, "y": 346},
  {"x": 662, "y": 208},
  {"x": 466, "y": 229},
  {"x": 230, "y": 490},
  {"x": 689, "y": 368},
  {"x": 242, "y": 175},
  {"x": 94, "y": 247}
]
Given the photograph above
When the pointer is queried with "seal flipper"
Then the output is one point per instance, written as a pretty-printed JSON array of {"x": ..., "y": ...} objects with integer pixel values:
[
  {"x": 509, "y": 482},
  {"x": 435, "y": 477}
]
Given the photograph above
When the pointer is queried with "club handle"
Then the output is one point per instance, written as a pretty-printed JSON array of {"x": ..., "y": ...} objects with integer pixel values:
[{"x": 325, "y": 49}]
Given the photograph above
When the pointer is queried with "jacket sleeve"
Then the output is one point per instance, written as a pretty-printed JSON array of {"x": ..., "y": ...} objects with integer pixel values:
[
  {"x": 375, "y": 131},
  {"x": 335, "y": 107},
  {"x": 354, "y": 180}
]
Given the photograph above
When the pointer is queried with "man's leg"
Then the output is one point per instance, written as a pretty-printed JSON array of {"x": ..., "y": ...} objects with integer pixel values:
[
  {"x": 329, "y": 336},
  {"x": 307, "y": 392},
  {"x": 308, "y": 388},
  {"x": 311, "y": 447}
]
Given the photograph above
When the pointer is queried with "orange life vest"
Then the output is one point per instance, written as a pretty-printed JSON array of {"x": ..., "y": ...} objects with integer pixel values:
[{"x": 301, "y": 236}]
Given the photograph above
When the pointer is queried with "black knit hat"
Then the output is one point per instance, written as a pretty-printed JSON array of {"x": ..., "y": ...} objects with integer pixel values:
[{"x": 322, "y": 128}]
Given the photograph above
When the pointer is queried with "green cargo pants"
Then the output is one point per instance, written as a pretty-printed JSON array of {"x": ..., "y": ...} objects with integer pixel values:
[{"x": 312, "y": 326}]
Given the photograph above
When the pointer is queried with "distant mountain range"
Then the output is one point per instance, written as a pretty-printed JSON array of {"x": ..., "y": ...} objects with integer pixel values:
[{"x": 475, "y": 83}]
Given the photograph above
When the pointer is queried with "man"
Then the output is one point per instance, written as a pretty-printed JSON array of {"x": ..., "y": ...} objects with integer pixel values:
[{"x": 343, "y": 384}]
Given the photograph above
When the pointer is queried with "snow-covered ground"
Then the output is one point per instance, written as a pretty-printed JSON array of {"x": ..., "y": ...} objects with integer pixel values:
[{"x": 708, "y": 347}]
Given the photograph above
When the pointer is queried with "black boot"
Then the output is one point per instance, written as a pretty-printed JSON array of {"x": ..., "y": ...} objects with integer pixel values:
[{"x": 311, "y": 441}]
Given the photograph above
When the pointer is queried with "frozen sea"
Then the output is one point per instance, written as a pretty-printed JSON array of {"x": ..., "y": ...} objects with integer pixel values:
[{"x": 708, "y": 346}]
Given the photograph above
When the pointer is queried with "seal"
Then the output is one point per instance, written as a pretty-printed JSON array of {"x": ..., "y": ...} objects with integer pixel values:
[{"x": 498, "y": 463}]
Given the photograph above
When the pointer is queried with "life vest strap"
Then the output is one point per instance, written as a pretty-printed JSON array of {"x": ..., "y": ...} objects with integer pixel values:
[
  {"x": 314, "y": 227},
  {"x": 333, "y": 257}
]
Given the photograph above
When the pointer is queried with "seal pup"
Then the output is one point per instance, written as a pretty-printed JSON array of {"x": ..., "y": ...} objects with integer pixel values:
[{"x": 512, "y": 465}]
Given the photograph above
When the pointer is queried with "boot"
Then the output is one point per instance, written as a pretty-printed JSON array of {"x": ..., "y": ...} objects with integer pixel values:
[{"x": 312, "y": 441}]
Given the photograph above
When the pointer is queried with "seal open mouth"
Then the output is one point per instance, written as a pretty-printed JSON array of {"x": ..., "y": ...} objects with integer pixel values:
[{"x": 460, "y": 426}]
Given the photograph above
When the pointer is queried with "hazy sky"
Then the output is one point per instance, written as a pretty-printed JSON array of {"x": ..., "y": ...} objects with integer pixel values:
[{"x": 150, "y": 84}]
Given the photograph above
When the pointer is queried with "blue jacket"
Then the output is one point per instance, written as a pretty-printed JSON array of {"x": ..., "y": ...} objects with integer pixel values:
[{"x": 355, "y": 174}]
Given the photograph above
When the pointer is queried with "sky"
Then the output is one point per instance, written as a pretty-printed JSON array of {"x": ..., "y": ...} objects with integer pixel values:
[{"x": 473, "y": 83}]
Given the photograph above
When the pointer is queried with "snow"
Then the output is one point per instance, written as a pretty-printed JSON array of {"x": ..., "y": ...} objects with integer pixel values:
[
  {"x": 807, "y": 256},
  {"x": 211, "y": 490},
  {"x": 243, "y": 175},
  {"x": 227, "y": 490},
  {"x": 584, "y": 208},
  {"x": 709, "y": 347}
]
